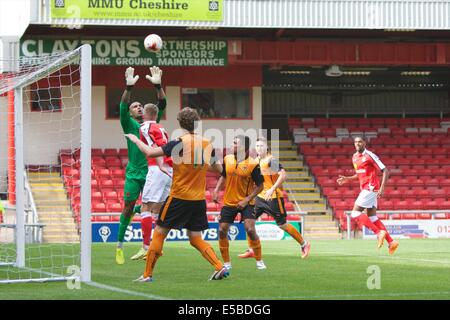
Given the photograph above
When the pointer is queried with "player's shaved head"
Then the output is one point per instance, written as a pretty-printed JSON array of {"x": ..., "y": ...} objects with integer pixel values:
[
  {"x": 136, "y": 111},
  {"x": 187, "y": 118},
  {"x": 150, "y": 111}
]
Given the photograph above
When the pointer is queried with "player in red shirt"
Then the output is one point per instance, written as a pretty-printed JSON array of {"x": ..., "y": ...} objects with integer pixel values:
[
  {"x": 159, "y": 176},
  {"x": 366, "y": 165}
]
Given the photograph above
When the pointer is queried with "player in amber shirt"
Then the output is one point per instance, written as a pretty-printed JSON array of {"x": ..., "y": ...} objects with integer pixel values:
[
  {"x": 185, "y": 207},
  {"x": 270, "y": 199},
  {"x": 366, "y": 165},
  {"x": 243, "y": 181}
]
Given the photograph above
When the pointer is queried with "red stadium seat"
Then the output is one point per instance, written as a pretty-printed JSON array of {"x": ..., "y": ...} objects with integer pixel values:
[
  {"x": 382, "y": 216},
  {"x": 102, "y": 173},
  {"x": 293, "y": 217},
  {"x": 289, "y": 206},
  {"x": 417, "y": 205},
  {"x": 101, "y": 218},
  {"x": 114, "y": 207},
  {"x": 211, "y": 206},
  {"x": 119, "y": 183},
  {"x": 113, "y": 161},
  {"x": 425, "y": 216},
  {"x": 407, "y": 216},
  {"x": 118, "y": 173},
  {"x": 111, "y": 152},
  {"x": 106, "y": 184},
  {"x": 96, "y": 196},
  {"x": 110, "y": 196},
  {"x": 98, "y": 207},
  {"x": 96, "y": 152}
]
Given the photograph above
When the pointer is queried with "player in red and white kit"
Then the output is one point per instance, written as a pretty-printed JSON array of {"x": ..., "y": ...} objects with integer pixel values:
[
  {"x": 366, "y": 165},
  {"x": 159, "y": 176}
]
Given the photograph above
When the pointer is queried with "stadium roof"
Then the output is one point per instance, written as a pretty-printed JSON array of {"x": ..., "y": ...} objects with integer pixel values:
[{"x": 300, "y": 14}]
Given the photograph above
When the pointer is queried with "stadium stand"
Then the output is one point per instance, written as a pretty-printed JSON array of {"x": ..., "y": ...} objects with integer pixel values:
[
  {"x": 107, "y": 174},
  {"x": 416, "y": 150}
]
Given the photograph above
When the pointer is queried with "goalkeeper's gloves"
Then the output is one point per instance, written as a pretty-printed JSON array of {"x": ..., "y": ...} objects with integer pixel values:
[
  {"x": 130, "y": 78},
  {"x": 155, "y": 76}
]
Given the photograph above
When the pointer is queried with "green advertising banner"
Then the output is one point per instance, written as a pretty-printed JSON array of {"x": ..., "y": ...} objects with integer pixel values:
[
  {"x": 268, "y": 230},
  {"x": 195, "y": 10},
  {"x": 108, "y": 52}
]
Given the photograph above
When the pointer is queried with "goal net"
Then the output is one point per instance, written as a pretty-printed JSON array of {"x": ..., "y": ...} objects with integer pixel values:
[{"x": 45, "y": 160}]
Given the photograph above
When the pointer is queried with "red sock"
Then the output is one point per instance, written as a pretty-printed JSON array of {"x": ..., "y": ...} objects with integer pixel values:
[
  {"x": 381, "y": 226},
  {"x": 146, "y": 224},
  {"x": 369, "y": 224}
]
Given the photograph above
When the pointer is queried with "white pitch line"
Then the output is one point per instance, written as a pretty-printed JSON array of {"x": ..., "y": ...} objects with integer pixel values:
[
  {"x": 337, "y": 296},
  {"x": 447, "y": 262},
  {"x": 93, "y": 284},
  {"x": 124, "y": 291}
]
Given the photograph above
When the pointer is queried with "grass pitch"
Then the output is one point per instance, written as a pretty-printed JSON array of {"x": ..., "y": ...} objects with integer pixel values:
[{"x": 420, "y": 269}]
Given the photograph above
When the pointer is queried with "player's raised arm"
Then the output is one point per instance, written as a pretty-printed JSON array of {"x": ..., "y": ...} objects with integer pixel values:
[
  {"x": 155, "y": 77},
  {"x": 145, "y": 149},
  {"x": 130, "y": 80}
]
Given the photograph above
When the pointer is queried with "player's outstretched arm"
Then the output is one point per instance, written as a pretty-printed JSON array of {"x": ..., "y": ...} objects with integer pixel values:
[
  {"x": 155, "y": 77},
  {"x": 125, "y": 117},
  {"x": 130, "y": 80},
  {"x": 148, "y": 151}
]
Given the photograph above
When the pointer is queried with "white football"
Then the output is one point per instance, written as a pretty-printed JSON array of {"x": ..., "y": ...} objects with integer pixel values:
[{"x": 153, "y": 43}]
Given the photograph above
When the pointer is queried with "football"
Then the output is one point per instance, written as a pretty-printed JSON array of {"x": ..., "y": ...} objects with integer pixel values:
[{"x": 153, "y": 43}]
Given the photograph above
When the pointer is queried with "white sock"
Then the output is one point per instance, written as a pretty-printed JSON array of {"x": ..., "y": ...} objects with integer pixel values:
[{"x": 145, "y": 214}]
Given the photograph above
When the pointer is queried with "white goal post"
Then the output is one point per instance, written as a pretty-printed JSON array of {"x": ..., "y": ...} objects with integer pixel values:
[{"x": 52, "y": 107}]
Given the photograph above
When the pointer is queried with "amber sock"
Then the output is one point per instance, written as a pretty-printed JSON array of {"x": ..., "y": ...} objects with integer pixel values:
[
  {"x": 294, "y": 233},
  {"x": 224, "y": 246},
  {"x": 256, "y": 246},
  {"x": 154, "y": 252},
  {"x": 207, "y": 251}
]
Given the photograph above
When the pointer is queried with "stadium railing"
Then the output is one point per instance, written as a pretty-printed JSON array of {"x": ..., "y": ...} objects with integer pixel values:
[{"x": 392, "y": 212}]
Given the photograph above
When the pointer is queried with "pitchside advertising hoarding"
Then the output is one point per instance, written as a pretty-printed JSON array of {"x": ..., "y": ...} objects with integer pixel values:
[
  {"x": 411, "y": 229},
  {"x": 126, "y": 52},
  {"x": 194, "y": 10},
  {"x": 107, "y": 232}
]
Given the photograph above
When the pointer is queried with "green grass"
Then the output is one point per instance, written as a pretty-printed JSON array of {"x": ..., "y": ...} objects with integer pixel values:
[{"x": 335, "y": 270}]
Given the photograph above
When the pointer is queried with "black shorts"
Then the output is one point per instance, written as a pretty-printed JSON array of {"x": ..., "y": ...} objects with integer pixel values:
[
  {"x": 274, "y": 208},
  {"x": 228, "y": 214},
  {"x": 179, "y": 214}
]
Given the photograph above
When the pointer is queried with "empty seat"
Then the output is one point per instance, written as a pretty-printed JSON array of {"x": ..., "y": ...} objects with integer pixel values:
[
  {"x": 111, "y": 152},
  {"x": 98, "y": 207},
  {"x": 113, "y": 161},
  {"x": 114, "y": 207}
]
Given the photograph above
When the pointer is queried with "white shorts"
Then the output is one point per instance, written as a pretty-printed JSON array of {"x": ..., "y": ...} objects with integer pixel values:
[
  {"x": 367, "y": 199},
  {"x": 157, "y": 185}
]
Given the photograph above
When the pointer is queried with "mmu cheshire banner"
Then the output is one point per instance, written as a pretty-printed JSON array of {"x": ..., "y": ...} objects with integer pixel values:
[
  {"x": 131, "y": 52},
  {"x": 194, "y": 10}
]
